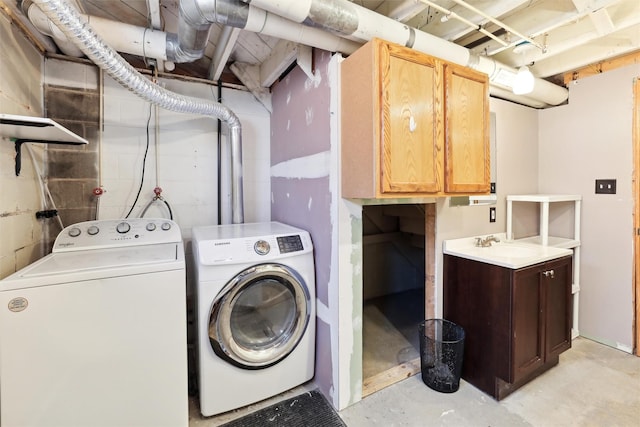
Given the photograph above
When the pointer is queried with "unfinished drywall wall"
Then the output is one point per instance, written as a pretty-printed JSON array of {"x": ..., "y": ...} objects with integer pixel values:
[
  {"x": 300, "y": 184},
  {"x": 589, "y": 139},
  {"x": 20, "y": 196}
]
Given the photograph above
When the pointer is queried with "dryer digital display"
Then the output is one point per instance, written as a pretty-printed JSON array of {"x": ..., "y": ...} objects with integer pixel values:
[{"x": 290, "y": 244}]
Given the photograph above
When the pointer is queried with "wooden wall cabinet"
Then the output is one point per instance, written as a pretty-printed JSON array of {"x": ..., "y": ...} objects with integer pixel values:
[
  {"x": 412, "y": 125},
  {"x": 517, "y": 322}
]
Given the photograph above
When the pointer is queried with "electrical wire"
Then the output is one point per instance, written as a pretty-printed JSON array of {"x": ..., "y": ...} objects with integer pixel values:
[{"x": 144, "y": 163}]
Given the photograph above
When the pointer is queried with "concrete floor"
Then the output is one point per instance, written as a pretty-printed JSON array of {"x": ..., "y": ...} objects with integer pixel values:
[{"x": 594, "y": 385}]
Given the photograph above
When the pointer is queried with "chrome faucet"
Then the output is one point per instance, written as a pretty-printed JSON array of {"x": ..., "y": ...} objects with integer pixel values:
[{"x": 486, "y": 242}]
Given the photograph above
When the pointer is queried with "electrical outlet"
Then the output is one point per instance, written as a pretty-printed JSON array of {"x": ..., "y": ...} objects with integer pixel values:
[
  {"x": 492, "y": 214},
  {"x": 605, "y": 186}
]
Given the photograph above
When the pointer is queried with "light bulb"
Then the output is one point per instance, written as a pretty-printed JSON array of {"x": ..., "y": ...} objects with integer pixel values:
[{"x": 523, "y": 82}]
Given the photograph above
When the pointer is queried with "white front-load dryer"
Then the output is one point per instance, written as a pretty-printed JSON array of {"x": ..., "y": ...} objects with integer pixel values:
[{"x": 256, "y": 314}]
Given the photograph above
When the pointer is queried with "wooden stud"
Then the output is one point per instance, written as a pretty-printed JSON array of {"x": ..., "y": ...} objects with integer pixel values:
[
  {"x": 636, "y": 219},
  {"x": 602, "y": 66},
  {"x": 390, "y": 376}
]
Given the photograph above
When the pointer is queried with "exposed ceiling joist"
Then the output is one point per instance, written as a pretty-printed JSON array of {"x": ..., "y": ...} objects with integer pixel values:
[
  {"x": 153, "y": 6},
  {"x": 282, "y": 56},
  {"x": 226, "y": 43}
]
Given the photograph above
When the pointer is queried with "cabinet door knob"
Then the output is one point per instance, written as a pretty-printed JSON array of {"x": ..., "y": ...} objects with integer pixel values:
[{"x": 549, "y": 273}]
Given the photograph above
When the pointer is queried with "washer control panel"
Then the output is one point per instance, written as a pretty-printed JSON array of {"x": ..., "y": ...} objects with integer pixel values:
[{"x": 117, "y": 233}]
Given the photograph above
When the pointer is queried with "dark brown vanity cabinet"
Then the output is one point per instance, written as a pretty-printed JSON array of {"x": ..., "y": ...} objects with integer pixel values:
[{"x": 517, "y": 322}]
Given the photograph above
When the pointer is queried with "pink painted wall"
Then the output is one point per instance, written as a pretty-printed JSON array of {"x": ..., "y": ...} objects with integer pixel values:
[{"x": 300, "y": 128}]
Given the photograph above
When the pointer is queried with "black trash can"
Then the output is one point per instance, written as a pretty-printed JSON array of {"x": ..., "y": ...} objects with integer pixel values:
[{"x": 441, "y": 352}]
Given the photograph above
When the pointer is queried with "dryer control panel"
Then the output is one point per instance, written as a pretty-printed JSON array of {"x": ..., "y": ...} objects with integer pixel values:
[
  {"x": 117, "y": 233},
  {"x": 260, "y": 249}
]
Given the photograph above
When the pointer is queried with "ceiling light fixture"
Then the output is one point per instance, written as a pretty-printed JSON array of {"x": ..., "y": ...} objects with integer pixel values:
[{"x": 523, "y": 82}]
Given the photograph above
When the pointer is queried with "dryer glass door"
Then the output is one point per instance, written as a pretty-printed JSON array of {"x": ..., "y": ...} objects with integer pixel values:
[{"x": 260, "y": 316}]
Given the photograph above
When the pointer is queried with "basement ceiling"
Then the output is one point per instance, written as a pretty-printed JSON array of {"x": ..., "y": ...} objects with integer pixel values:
[{"x": 555, "y": 38}]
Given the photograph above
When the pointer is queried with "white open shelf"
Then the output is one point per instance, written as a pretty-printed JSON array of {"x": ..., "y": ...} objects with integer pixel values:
[
  {"x": 544, "y": 239},
  {"x": 556, "y": 242}
]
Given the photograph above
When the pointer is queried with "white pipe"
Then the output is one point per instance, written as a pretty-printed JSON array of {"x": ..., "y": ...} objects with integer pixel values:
[
  {"x": 131, "y": 39},
  {"x": 269, "y": 24},
  {"x": 122, "y": 37},
  {"x": 349, "y": 19},
  {"x": 149, "y": 43}
]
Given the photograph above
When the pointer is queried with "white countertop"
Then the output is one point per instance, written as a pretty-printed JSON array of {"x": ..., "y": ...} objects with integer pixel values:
[{"x": 509, "y": 254}]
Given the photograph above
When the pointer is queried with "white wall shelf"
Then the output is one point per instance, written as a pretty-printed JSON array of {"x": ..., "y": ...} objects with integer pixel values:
[
  {"x": 543, "y": 238},
  {"x": 21, "y": 129}
]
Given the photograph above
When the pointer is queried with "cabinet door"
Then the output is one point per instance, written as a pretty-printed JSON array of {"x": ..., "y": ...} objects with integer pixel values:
[
  {"x": 466, "y": 124},
  {"x": 527, "y": 323},
  {"x": 556, "y": 281},
  {"x": 410, "y": 155}
]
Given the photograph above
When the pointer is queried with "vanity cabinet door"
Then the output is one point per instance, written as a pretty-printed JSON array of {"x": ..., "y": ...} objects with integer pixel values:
[
  {"x": 542, "y": 315},
  {"x": 557, "y": 278},
  {"x": 528, "y": 323}
]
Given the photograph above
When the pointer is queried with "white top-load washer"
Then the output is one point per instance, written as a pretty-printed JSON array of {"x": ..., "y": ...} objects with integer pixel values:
[
  {"x": 256, "y": 312},
  {"x": 94, "y": 334}
]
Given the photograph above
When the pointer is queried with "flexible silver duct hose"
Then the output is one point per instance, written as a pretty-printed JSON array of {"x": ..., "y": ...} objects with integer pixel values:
[{"x": 68, "y": 20}]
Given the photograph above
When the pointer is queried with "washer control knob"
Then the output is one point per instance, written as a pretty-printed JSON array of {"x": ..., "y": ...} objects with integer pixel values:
[
  {"x": 166, "y": 226},
  {"x": 151, "y": 226},
  {"x": 262, "y": 247},
  {"x": 93, "y": 230},
  {"x": 74, "y": 232},
  {"x": 123, "y": 227}
]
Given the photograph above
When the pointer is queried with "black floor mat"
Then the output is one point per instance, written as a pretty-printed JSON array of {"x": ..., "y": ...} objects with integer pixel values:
[{"x": 309, "y": 409}]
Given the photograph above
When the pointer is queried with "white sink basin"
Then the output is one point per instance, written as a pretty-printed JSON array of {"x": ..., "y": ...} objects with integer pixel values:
[{"x": 506, "y": 254}]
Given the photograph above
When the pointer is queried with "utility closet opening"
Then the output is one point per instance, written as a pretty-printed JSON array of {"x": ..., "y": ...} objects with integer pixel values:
[{"x": 398, "y": 243}]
